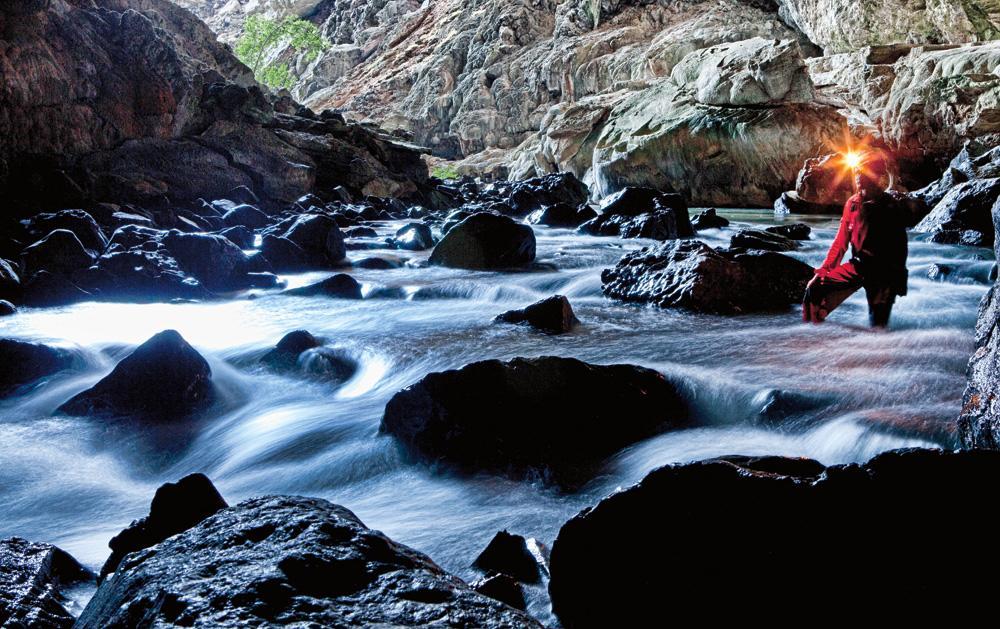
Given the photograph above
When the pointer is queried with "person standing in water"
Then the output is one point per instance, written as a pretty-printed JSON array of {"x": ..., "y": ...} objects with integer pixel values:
[{"x": 874, "y": 226}]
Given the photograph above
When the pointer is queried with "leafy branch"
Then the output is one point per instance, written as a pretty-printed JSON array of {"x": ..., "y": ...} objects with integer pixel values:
[{"x": 263, "y": 37}]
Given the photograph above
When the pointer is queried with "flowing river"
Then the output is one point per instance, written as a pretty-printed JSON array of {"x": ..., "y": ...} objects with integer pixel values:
[{"x": 76, "y": 482}]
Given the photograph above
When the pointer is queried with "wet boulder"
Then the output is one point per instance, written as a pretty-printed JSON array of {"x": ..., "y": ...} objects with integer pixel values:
[
  {"x": 761, "y": 239},
  {"x": 283, "y": 254},
  {"x": 162, "y": 379},
  {"x": 7, "y": 309},
  {"x": 803, "y": 532},
  {"x": 10, "y": 281},
  {"x": 285, "y": 354},
  {"x": 552, "y": 418},
  {"x": 486, "y": 241},
  {"x": 794, "y": 231},
  {"x": 642, "y": 213},
  {"x": 502, "y": 588},
  {"x": 380, "y": 264},
  {"x": 175, "y": 508},
  {"x": 214, "y": 260},
  {"x": 633, "y": 201},
  {"x": 50, "y": 290},
  {"x": 966, "y": 207},
  {"x": 34, "y": 579},
  {"x": 553, "y": 315},
  {"x": 81, "y": 223},
  {"x": 532, "y": 194},
  {"x": 242, "y": 237},
  {"x": 339, "y": 286},
  {"x": 142, "y": 275},
  {"x": 281, "y": 560},
  {"x": 245, "y": 215},
  {"x": 320, "y": 238},
  {"x": 510, "y": 555},
  {"x": 413, "y": 237},
  {"x": 60, "y": 252},
  {"x": 360, "y": 232},
  {"x": 709, "y": 219},
  {"x": 691, "y": 275},
  {"x": 22, "y": 363},
  {"x": 562, "y": 215}
]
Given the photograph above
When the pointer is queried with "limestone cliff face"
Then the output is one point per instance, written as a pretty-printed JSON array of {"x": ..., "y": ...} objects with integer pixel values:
[
  {"x": 527, "y": 87},
  {"x": 136, "y": 101}
]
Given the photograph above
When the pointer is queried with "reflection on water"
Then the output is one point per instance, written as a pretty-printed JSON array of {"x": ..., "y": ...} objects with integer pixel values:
[{"x": 854, "y": 392}]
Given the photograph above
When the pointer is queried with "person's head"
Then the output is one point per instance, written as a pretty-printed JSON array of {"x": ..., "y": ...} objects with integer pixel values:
[{"x": 871, "y": 174}]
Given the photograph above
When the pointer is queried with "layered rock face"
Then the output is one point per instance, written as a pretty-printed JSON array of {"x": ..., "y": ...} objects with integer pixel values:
[
  {"x": 647, "y": 92},
  {"x": 136, "y": 101}
]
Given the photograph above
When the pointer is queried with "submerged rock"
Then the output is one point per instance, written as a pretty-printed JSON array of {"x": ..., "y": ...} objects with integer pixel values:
[
  {"x": 553, "y": 315},
  {"x": 671, "y": 541},
  {"x": 33, "y": 581},
  {"x": 761, "y": 239},
  {"x": 557, "y": 418},
  {"x": 282, "y": 560},
  {"x": 163, "y": 379},
  {"x": 486, "y": 241},
  {"x": 709, "y": 219},
  {"x": 175, "y": 508},
  {"x": 301, "y": 350},
  {"x": 502, "y": 588},
  {"x": 794, "y": 231},
  {"x": 339, "y": 286},
  {"x": 692, "y": 275},
  {"x": 285, "y": 354},
  {"x": 22, "y": 363}
]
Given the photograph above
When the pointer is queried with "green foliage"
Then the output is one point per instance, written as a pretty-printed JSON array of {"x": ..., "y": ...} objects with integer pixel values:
[
  {"x": 263, "y": 37},
  {"x": 445, "y": 172}
]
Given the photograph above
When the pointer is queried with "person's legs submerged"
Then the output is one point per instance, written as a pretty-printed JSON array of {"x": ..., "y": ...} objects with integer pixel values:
[{"x": 880, "y": 300}]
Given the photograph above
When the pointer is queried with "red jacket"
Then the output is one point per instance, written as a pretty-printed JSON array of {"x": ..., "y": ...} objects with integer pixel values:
[{"x": 875, "y": 230}]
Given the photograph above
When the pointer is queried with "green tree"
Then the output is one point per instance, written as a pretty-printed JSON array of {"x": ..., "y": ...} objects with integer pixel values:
[{"x": 263, "y": 37}]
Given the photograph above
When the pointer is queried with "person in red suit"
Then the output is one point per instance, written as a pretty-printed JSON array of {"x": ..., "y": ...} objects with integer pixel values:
[{"x": 874, "y": 227}]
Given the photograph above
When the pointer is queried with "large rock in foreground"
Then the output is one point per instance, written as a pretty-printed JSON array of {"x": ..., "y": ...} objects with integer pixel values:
[
  {"x": 282, "y": 560},
  {"x": 548, "y": 417},
  {"x": 164, "y": 378},
  {"x": 486, "y": 241},
  {"x": 771, "y": 532},
  {"x": 32, "y": 580},
  {"x": 690, "y": 274}
]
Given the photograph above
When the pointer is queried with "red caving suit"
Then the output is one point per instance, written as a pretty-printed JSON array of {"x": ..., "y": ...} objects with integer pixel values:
[{"x": 875, "y": 229}]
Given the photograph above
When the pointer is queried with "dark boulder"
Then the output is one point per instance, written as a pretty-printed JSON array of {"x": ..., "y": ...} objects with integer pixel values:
[
  {"x": 82, "y": 224},
  {"x": 553, "y": 315},
  {"x": 176, "y": 507},
  {"x": 532, "y": 194},
  {"x": 509, "y": 554},
  {"x": 633, "y": 201},
  {"x": 242, "y": 237},
  {"x": 557, "y": 418},
  {"x": 7, "y": 308},
  {"x": 214, "y": 260},
  {"x": 339, "y": 286},
  {"x": 502, "y": 588},
  {"x": 320, "y": 238},
  {"x": 691, "y": 275},
  {"x": 246, "y": 216},
  {"x": 281, "y": 560},
  {"x": 763, "y": 240},
  {"x": 49, "y": 290},
  {"x": 562, "y": 215},
  {"x": 752, "y": 531},
  {"x": 709, "y": 219},
  {"x": 22, "y": 363},
  {"x": 486, "y": 241},
  {"x": 414, "y": 237},
  {"x": 163, "y": 379},
  {"x": 10, "y": 282},
  {"x": 966, "y": 207},
  {"x": 33, "y": 583},
  {"x": 794, "y": 231},
  {"x": 60, "y": 252},
  {"x": 286, "y": 353},
  {"x": 283, "y": 254},
  {"x": 142, "y": 275},
  {"x": 454, "y": 219},
  {"x": 381, "y": 264}
]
